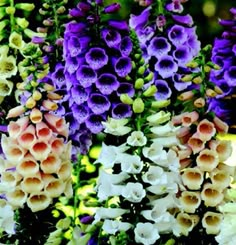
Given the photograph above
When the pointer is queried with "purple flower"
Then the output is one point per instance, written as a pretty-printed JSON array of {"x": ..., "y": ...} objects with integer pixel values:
[
  {"x": 86, "y": 76},
  {"x": 123, "y": 66},
  {"x": 166, "y": 66},
  {"x": 107, "y": 83},
  {"x": 121, "y": 111},
  {"x": 96, "y": 58},
  {"x": 119, "y": 25},
  {"x": 98, "y": 103},
  {"x": 163, "y": 90},
  {"x": 80, "y": 94},
  {"x": 76, "y": 45},
  {"x": 158, "y": 47},
  {"x": 175, "y": 6},
  {"x": 75, "y": 27},
  {"x": 177, "y": 35},
  {"x": 182, "y": 55},
  {"x": 38, "y": 40},
  {"x": 58, "y": 76},
  {"x": 94, "y": 123},
  {"x": 139, "y": 21},
  {"x": 111, "y": 37},
  {"x": 183, "y": 19},
  {"x": 126, "y": 46},
  {"x": 112, "y": 8},
  {"x": 178, "y": 83},
  {"x": 160, "y": 21},
  {"x": 126, "y": 88},
  {"x": 145, "y": 34},
  {"x": 80, "y": 112},
  {"x": 230, "y": 76}
]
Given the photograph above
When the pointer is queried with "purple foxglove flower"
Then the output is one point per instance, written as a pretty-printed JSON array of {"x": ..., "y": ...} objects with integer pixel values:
[
  {"x": 175, "y": 6},
  {"x": 126, "y": 88},
  {"x": 227, "y": 23},
  {"x": 182, "y": 55},
  {"x": 123, "y": 66},
  {"x": 183, "y": 19},
  {"x": 74, "y": 124},
  {"x": 75, "y": 27},
  {"x": 85, "y": 7},
  {"x": 158, "y": 46},
  {"x": 38, "y": 40},
  {"x": 119, "y": 25},
  {"x": 121, "y": 111},
  {"x": 145, "y": 34},
  {"x": 163, "y": 90},
  {"x": 230, "y": 76},
  {"x": 94, "y": 123},
  {"x": 73, "y": 63},
  {"x": 80, "y": 94},
  {"x": 96, "y": 58},
  {"x": 74, "y": 12},
  {"x": 233, "y": 11},
  {"x": 166, "y": 66},
  {"x": 88, "y": 219},
  {"x": 99, "y": 2},
  {"x": 77, "y": 45},
  {"x": 86, "y": 76},
  {"x": 107, "y": 83},
  {"x": 160, "y": 21},
  {"x": 80, "y": 112},
  {"x": 177, "y": 35},
  {"x": 126, "y": 46},
  {"x": 98, "y": 103},
  {"x": 58, "y": 76},
  {"x": 234, "y": 49},
  {"x": 61, "y": 111},
  {"x": 111, "y": 37},
  {"x": 139, "y": 21},
  {"x": 3, "y": 128},
  {"x": 192, "y": 41},
  {"x": 112, "y": 8},
  {"x": 222, "y": 83}
]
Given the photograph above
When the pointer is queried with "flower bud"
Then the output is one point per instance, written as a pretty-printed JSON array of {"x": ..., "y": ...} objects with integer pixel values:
[
  {"x": 192, "y": 64},
  {"x": 48, "y": 87},
  {"x": 139, "y": 83},
  {"x": 211, "y": 93},
  {"x": 199, "y": 102},
  {"x": 36, "y": 115},
  {"x": 197, "y": 80},
  {"x": 126, "y": 99},
  {"x": 36, "y": 95},
  {"x": 16, "y": 111},
  {"x": 149, "y": 77},
  {"x": 186, "y": 96},
  {"x": 61, "y": 10},
  {"x": 49, "y": 105},
  {"x": 10, "y": 10},
  {"x": 138, "y": 105},
  {"x": 150, "y": 91},
  {"x": 160, "y": 104},
  {"x": 141, "y": 70},
  {"x": 207, "y": 68},
  {"x": 30, "y": 103},
  {"x": 187, "y": 78},
  {"x": 3, "y": 24},
  {"x": 112, "y": 8},
  {"x": 25, "y": 6},
  {"x": 54, "y": 96},
  {"x": 22, "y": 22}
]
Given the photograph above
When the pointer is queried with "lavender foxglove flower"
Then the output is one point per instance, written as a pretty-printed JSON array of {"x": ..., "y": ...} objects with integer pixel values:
[{"x": 96, "y": 58}]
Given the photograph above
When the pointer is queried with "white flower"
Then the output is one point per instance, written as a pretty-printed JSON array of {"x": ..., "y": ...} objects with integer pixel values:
[
  {"x": 137, "y": 138},
  {"x": 130, "y": 163},
  {"x": 8, "y": 66},
  {"x": 146, "y": 233},
  {"x": 159, "y": 118},
  {"x": 155, "y": 175},
  {"x": 112, "y": 226},
  {"x": 227, "y": 233},
  {"x": 116, "y": 126},
  {"x": 133, "y": 192},
  {"x": 108, "y": 213},
  {"x": 7, "y": 219},
  {"x": 165, "y": 130},
  {"x": 108, "y": 155},
  {"x": 155, "y": 152},
  {"x": 167, "y": 141}
]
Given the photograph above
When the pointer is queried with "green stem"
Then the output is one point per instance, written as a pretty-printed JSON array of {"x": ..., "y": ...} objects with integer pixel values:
[
  {"x": 160, "y": 7},
  {"x": 12, "y": 18}
]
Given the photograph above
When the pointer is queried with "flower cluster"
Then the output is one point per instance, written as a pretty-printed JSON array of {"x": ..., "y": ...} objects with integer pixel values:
[
  {"x": 223, "y": 54},
  {"x": 168, "y": 41}
]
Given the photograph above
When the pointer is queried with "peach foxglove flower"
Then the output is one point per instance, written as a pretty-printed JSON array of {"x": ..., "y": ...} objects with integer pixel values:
[
  {"x": 16, "y": 111},
  {"x": 189, "y": 118},
  {"x": 220, "y": 126},
  {"x": 10, "y": 179},
  {"x": 196, "y": 143},
  {"x": 137, "y": 138},
  {"x": 211, "y": 195},
  {"x": 211, "y": 221},
  {"x": 206, "y": 130},
  {"x": 51, "y": 164},
  {"x": 146, "y": 233},
  {"x": 55, "y": 188},
  {"x": 116, "y": 126},
  {"x": 38, "y": 201},
  {"x": 223, "y": 148},
  {"x": 16, "y": 198},
  {"x": 36, "y": 115},
  {"x": 32, "y": 183},
  {"x": 28, "y": 166},
  {"x": 64, "y": 172},
  {"x": 207, "y": 160},
  {"x": 112, "y": 226},
  {"x": 190, "y": 201},
  {"x": 40, "y": 150},
  {"x": 17, "y": 127},
  {"x": 220, "y": 178},
  {"x": 57, "y": 145},
  {"x": 28, "y": 137},
  {"x": 193, "y": 178},
  {"x": 133, "y": 192},
  {"x": 43, "y": 131}
]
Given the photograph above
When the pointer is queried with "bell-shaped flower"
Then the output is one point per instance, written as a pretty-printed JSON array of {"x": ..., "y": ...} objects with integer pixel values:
[
  {"x": 133, "y": 192},
  {"x": 220, "y": 178},
  {"x": 96, "y": 58},
  {"x": 28, "y": 137},
  {"x": 7, "y": 222},
  {"x": 123, "y": 66},
  {"x": 189, "y": 118},
  {"x": 28, "y": 166},
  {"x": 137, "y": 138},
  {"x": 164, "y": 130},
  {"x": 163, "y": 90},
  {"x": 51, "y": 164},
  {"x": 15, "y": 128},
  {"x": 182, "y": 55},
  {"x": 131, "y": 164},
  {"x": 190, "y": 201},
  {"x": 206, "y": 130},
  {"x": 55, "y": 188},
  {"x": 167, "y": 141},
  {"x": 111, "y": 37},
  {"x": 146, "y": 233},
  {"x": 8, "y": 66},
  {"x": 126, "y": 46},
  {"x": 43, "y": 131},
  {"x": 158, "y": 46},
  {"x": 166, "y": 66},
  {"x": 223, "y": 148},
  {"x": 107, "y": 83},
  {"x": 17, "y": 198},
  {"x": 113, "y": 226},
  {"x": 211, "y": 221},
  {"x": 207, "y": 160},
  {"x": 13, "y": 152},
  {"x": 64, "y": 171},
  {"x": 6, "y": 87},
  {"x": 86, "y": 76},
  {"x": 159, "y": 118},
  {"x": 154, "y": 176},
  {"x": 31, "y": 184},
  {"x": 40, "y": 150},
  {"x": 211, "y": 195},
  {"x": 192, "y": 178},
  {"x": 15, "y": 111},
  {"x": 221, "y": 127},
  {"x": 57, "y": 145},
  {"x": 98, "y": 103},
  {"x": 155, "y": 152},
  {"x": 195, "y": 143},
  {"x": 38, "y": 201},
  {"x": 10, "y": 178},
  {"x": 186, "y": 222},
  {"x": 108, "y": 213}
]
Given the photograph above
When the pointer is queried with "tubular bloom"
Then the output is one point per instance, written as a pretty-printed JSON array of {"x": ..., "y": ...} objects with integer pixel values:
[{"x": 90, "y": 83}]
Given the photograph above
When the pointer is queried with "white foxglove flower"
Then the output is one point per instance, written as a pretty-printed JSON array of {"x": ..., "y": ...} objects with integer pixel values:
[
  {"x": 146, "y": 233},
  {"x": 190, "y": 201},
  {"x": 137, "y": 138},
  {"x": 155, "y": 152},
  {"x": 112, "y": 226},
  {"x": 7, "y": 219},
  {"x": 134, "y": 192},
  {"x": 159, "y": 118},
  {"x": 167, "y": 141},
  {"x": 108, "y": 213},
  {"x": 109, "y": 153},
  {"x": 116, "y": 126},
  {"x": 211, "y": 221},
  {"x": 165, "y": 130},
  {"x": 130, "y": 163},
  {"x": 154, "y": 176}
]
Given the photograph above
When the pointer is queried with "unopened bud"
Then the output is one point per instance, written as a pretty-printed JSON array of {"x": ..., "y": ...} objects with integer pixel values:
[
  {"x": 25, "y": 6},
  {"x": 10, "y": 10},
  {"x": 34, "y": 84},
  {"x": 199, "y": 103},
  {"x": 22, "y": 22},
  {"x": 150, "y": 91},
  {"x": 61, "y": 10},
  {"x": 30, "y": 103},
  {"x": 141, "y": 70},
  {"x": 49, "y": 105},
  {"x": 197, "y": 80},
  {"x": 138, "y": 105},
  {"x": 186, "y": 95},
  {"x": 54, "y": 96},
  {"x": 36, "y": 95},
  {"x": 211, "y": 93},
  {"x": 207, "y": 68},
  {"x": 149, "y": 77},
  {"x": 192, "y": 64},
  {"x": 160, "y": 104},
  {"x": 218, "y": 90},
  {"x": 48, "y": 87},
  {"x": 139, "y": 83},
  {"x": 216, "y": 67},
  {"x": 133, "y": 65},
  {"x": 126, "y": 99},
  {"x": 187, "y": 78}
]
